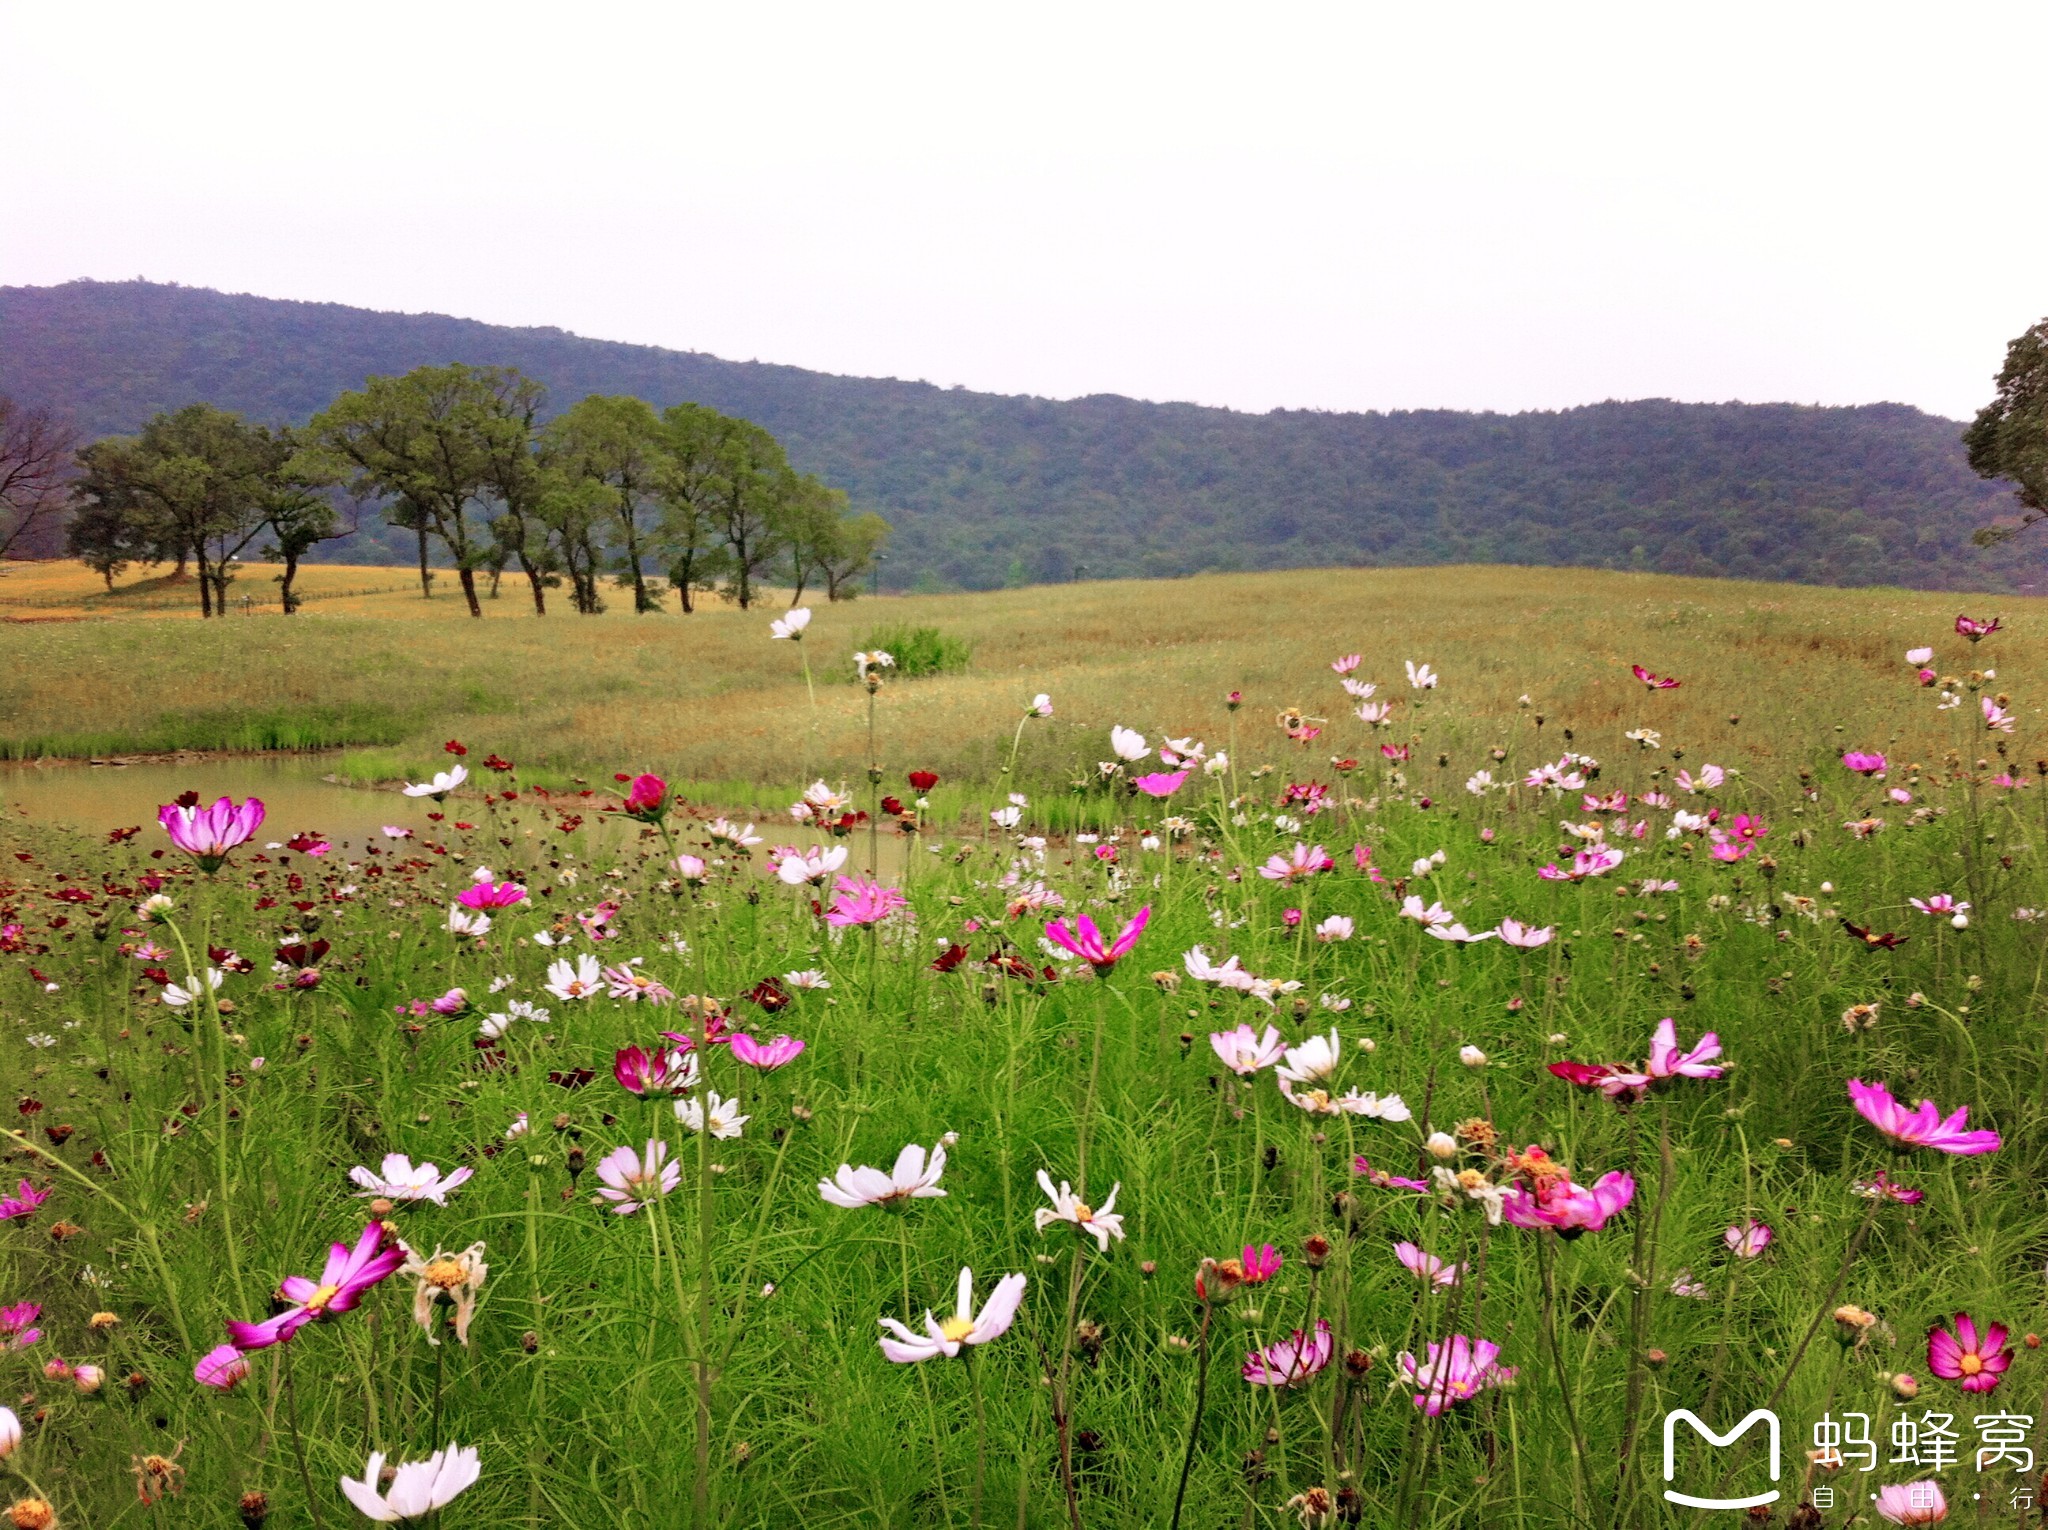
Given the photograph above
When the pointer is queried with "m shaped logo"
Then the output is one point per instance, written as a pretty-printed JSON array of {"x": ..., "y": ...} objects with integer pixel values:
[{"x": 1770, "y": 1421}]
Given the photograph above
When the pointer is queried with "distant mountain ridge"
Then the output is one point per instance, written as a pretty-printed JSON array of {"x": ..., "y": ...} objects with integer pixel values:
[{"x": 987, "y": 489}]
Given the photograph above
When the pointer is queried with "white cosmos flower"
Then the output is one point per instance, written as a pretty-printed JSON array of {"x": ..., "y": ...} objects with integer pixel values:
[
  {"x": 813, "y": 864},
  {"x": 399, "y": 1180},
  {"x": 418, "y": 1488},
  {"x": 807, "y": 977},
  {"x": 966, "y": 1327},
  {"x": 1313, "y": 1061},
  {"x": 1041, "y": 705},
  {"x": 914, "y": 1178},
  {"x": 443, "y": 783},
  {"x": 726, "y": 1120},
  {"x": 582, "y": 979},
  {"x": 1005, "y": 817},
  {"x": 791, "y": 624},
  {"x": 1420, "y": 676},
  {"x": 178, "y": 995},
  {"x": 1128, "y": 744},
  {"x": 724, "y": 831},
  {"x": 1101, "y": 1225},
  {"x": 1458, "y": 932},
  {"x": 1436, "y": 913},
  {"x": 462, "y": 921}
]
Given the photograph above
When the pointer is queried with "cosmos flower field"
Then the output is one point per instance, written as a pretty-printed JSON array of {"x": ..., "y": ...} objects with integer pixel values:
[{"x": 1378, "y": 1115}]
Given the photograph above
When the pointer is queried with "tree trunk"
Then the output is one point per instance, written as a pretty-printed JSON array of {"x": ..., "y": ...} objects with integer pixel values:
[
  {"x": 426, "y": 574},
  {"x": 540, "y": 594},
  {"x": 287, "y": 596},
  {"x": 205, "y": 588},
  {"x": 469, "y": 591}
]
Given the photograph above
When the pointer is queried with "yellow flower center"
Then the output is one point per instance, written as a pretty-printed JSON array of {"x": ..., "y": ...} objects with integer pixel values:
[
  {"x": 446, "y": 1274},
  {"x": 1083, "y": 1212},
  {"x": 957, "y": 1328},
  {"x": 318, "y": 1301},
  {"x": 1970, "y": 1365}
]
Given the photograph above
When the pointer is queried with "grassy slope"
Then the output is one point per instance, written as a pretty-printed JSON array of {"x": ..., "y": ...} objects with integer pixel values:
[{"x": 711, "y": 698}]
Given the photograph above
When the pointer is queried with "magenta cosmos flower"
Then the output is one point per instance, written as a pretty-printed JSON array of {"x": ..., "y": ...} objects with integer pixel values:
[
  {"x": 1427, "y": 1267},
  {"x": 1453, "y": 1372},
  {"x": 349, "y": 1273},
  {"x": 646, "y": 799},
  {"x": 1292, "y": 1361},
  {"x": 1748, "y": 1240},
  {"x": 1922, "y": 1126},
  {"x": 22, "y": 1205},
  {"x": 856, "y": 901},
  {"x": 1161, "y": 783},
  {"x": 1085, "y": 940},
  {"x": 485, "y": 895},
  {"x": 209, "y": 834},
  {"x": 1974, "y": 630},
  {"x": 1977, "y": 1361},
  {"x": 1301, "y": 861},
  {"x": 1864, "y": 762},
  {"x": 654, "y": 1070},
  {"x": 1567, "y": 1208}
]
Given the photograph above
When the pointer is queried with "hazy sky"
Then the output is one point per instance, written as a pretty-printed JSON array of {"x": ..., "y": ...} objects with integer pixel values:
[{"x": 1360, "y": 206}]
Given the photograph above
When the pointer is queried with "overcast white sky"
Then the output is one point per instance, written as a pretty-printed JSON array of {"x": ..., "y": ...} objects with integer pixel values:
[{"x": 1467, "y": 205}]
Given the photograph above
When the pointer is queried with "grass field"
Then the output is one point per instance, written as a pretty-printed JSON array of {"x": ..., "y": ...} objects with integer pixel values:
[
  {"x": 709, "y": 699},
  {"x": 1719, "y": 1232}
]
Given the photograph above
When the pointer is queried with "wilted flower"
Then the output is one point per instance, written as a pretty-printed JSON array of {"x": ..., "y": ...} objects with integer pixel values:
[{"x": 458, "y": 1277}]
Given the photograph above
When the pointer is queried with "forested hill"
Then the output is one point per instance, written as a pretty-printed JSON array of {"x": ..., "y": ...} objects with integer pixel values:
[{"x": 986, "y": 489}]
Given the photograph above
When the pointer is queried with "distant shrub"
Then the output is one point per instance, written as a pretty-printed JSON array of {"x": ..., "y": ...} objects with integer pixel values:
[{"x": 920, "y": 650}]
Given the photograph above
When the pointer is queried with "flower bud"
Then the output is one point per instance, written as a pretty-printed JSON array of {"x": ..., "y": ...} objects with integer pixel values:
[
  {"x": 255, "y": 1508},
  {"x": 1905, "y": 1385},
  {"x": 1442, "y": 1145},
  {"x": 1315, "y": 1250}
]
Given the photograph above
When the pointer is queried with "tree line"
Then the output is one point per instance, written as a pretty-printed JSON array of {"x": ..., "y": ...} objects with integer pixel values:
[{"x": 609, "y": 494}]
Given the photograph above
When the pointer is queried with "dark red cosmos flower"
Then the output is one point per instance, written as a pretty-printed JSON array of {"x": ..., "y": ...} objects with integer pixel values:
[
  {"x": 453, "y": 747},
  {"x": 924, "y": 780},
  {"x": 492, "y": 762},
  {"x": 186, "y": 799},
  {"x": 1654, "y": 682},
  {"x": 949, "y": 958},
  {"x": 122, "y": 836},
  {"x": 892, "y": 805},
  {"x": 303, "y": 953},
  {"x": 575, "y": 1078},
  {"x": 1872, "y": 941},
  {"x": 769, "y": 994}
]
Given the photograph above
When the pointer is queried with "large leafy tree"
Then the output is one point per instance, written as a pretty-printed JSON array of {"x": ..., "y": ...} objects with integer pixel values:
[
  {"x": 689, "y": 532},
  {"x": 848, "y": 554},
  {"x": 617, "y": 444},
  {"x": 2009, "y": 437},
  {"x": 199, "y": 483},
  {"x": 450, "y": 447}
]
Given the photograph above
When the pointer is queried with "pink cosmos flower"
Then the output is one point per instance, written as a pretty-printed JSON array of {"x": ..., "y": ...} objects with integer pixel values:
[
  {"x": 1923, "y": 1126},
  {"x": 766, "y": 1055},
  {"x": 348, "y": 1274},
  {"x": 628, "y": 982},
  {"x": 22, "y": 1205},
  {"x": 1977, "y": 1362},
  {"x": 1666, "y": 1061},
  {"x": 1911, "y": 1503},
  {"x": 487, "y": 895},
  {"x": 1301, "y": 861},
  {"x": 1453, "y": 1372},
  {"x": 1882, "y": 1187},
  {"x": 1380, "y": 1179},
  {"x": 857, "y": 901},
  {"x": 1524, "y": 937},
  {"x": 1975, "y": 630},
  {"x": 1941, "y": 904},
  {"x": 1996, "y": 718},
  {"x": 209, "y": 834},
  {"x": 1245, "y": 1051},
  {"x": 1594, "y": 861},
  {"x": 1748, "y": 1240},
  {"x": 221, "y": 1368},
  {"x": 1654, "y": 682},
  {"x": 1568, "y": 1209},
  {"x": 1347, "y": 664},
  {"x": 1085, "y": 940},
  {"x": 1725, "y": 849},
  {"x": 646, "y": 799},
  {"x": 1865, "y": 763},
  {"x": 631, "y": 1179},
  {"x": 1290, "y": 1362},
  {"x": 1161, "y": 783},
  {"x": 1427, "y": 1267}
]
